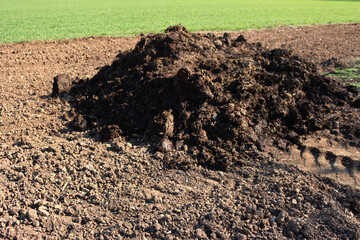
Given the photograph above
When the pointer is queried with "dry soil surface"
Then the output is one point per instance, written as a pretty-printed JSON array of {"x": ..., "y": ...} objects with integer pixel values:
[{"x": 56, "y": 183}]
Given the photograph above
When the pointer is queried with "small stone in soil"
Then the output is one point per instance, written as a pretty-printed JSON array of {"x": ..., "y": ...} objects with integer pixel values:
[
  {"x": 43, "y": 211},
  {"x": 165, "y": 145},
  {"x": 201, "y": 234},
  {"x": 32, "y": 214}
]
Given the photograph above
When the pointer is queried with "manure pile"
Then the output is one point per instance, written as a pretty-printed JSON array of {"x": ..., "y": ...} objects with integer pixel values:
[{"x": 214, "y": 100}]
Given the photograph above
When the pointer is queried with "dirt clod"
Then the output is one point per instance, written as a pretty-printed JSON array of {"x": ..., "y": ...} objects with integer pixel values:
[
  {"x": 357, "y": 103},
  {"x": 110, "y": 132},
  {"x": 62, "y": 84},
  {"x": 80, "y": 123}
]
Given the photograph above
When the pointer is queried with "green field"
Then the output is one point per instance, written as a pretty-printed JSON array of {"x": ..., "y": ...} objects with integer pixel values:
[
  {"x": 24, "y": 20},
  {"x": 348, "y": 75}
]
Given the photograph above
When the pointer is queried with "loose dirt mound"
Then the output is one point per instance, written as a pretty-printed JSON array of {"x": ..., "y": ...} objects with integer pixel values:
[{"x": 216, "y": 98}]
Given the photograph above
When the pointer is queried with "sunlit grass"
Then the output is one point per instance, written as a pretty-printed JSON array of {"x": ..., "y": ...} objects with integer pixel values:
[
  {"x": 349, "y": 75},
  {"x": 24, "y": 20}
]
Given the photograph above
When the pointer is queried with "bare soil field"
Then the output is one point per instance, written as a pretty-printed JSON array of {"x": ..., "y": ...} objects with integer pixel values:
[{"x": 172, "y": 179}]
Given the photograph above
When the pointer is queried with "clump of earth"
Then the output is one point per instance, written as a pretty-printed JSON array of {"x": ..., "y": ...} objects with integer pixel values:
[{"x": 215, "y": 99}]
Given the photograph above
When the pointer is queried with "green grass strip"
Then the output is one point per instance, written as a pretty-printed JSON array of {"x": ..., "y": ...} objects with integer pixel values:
[
  {"x": 349, "y": 75},
  {"x": 24, "y": 20}
]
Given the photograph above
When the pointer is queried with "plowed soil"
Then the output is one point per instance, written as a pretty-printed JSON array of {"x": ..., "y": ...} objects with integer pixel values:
[{"x": 59, "y": 183}]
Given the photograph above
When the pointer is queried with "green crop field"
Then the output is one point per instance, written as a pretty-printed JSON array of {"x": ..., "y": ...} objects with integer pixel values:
[{"x": 24, "y": 20}]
